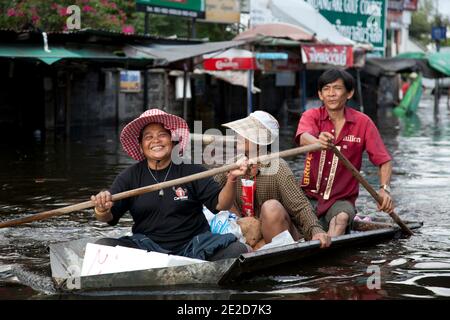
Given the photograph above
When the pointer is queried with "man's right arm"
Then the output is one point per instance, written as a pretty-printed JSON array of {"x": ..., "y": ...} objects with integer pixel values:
[
  {"x": 324, "y": 139},
  {"x": 308, "y": 131},
  {"x": 307, "y": 138}
]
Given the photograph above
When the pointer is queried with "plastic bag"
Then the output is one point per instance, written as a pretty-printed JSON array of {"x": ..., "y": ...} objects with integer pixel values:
[{"x": 224, "y": 222}]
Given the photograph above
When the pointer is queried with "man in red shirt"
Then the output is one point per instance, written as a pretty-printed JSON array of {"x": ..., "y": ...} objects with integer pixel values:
[{"x": 326, "y": 181}]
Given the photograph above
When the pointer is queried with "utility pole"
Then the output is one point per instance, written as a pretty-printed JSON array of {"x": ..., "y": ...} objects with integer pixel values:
[
  {"x": 147, "y": 33},
  {"x": 438, "y": 33},
  {"x": 436, "y": 85}
]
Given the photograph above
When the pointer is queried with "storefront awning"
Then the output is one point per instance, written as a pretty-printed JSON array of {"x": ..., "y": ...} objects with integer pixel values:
[
  {"x": 165, "y": 54},
  {"x": 55, "y": 53}
]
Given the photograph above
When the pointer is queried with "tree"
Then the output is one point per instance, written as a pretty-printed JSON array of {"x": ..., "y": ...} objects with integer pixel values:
[
  {"x": 424, "y": 19},
  {"x": 420, "y": 28},
  {"x": 115, "y": 15}
]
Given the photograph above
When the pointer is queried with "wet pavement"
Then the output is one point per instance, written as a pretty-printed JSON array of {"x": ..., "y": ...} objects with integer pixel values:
[{"x": 40, "y": 175}]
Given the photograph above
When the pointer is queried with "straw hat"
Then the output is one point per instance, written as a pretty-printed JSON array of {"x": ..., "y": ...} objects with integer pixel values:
[
  {"x": 259, "y": 127},
  {"x": 129, "y": 137}
]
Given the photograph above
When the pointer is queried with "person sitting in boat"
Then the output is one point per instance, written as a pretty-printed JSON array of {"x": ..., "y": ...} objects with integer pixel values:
[
  {"x": 327, "y": 182},
  {"x": 169, "y": 221},
  {"x": 270, "y": 192}
]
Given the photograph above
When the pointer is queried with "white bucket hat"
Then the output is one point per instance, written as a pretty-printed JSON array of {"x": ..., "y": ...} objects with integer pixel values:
[{"x": 259, "y": 127}]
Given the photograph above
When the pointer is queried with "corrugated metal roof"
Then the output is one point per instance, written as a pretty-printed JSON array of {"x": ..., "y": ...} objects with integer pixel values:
[
  {"x": 173, "y": 53},
  {"x": 55, "y": 53}
]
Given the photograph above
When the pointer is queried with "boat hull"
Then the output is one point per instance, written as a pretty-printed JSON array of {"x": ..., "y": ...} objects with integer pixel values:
[{"x": 66, "y": 261}]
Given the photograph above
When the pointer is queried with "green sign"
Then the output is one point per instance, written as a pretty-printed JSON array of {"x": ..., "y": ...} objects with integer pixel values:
[
  {"x": 359, "y": 20},
  {"x": 184, "y": 8}
]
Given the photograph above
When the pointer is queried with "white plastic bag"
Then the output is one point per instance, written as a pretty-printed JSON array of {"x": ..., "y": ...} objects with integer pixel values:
[
  {"x": 224, "y": 222},
  {"x": 280, "y": 239}
]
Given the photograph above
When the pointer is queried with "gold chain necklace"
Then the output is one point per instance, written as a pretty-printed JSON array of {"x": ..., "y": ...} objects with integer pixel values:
[{"x": 161, "y": 192}]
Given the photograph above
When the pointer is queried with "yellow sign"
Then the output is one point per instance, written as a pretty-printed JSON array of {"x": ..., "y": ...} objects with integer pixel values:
[{"x": 222, "y": 11}]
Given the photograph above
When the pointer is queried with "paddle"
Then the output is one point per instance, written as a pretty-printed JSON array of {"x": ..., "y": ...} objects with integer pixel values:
[
  {"x": 156, "y": 187},
  {"x": 369, "y": 188}
]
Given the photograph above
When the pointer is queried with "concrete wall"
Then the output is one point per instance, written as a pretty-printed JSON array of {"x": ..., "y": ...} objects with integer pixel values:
[{"x": 95, "y": 98}]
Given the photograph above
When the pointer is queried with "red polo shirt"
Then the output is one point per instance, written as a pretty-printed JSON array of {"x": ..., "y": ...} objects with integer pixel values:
[{"x": 324, "y": 177}]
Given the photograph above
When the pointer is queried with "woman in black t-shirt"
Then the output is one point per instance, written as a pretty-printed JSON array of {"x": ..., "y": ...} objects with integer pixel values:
[{"x": 171, "y": 220}]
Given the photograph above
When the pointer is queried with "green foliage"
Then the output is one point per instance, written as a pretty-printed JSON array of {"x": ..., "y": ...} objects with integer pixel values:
[
  {"x": 116, "y": 15},
  {"x": 52, "y": 15},
  {"x": 420, "y": 28},
  {"x": 423, "y": 20}
]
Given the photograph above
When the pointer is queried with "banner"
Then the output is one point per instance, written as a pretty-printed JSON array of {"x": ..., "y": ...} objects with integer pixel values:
[
  {"x": 232, "y": 59},
  {"x": 359, "y": 20},
  {"x": 184, "y": 8},
  {"x": 220, "y": 64},
  {"x": 328, "y": 54},
  {"x": 260, "y": 13},
  {"x": 223, "y": 11},
  {"x": 410, "y": 5}
]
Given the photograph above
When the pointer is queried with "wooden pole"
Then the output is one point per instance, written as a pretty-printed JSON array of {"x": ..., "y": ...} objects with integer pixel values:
[
  {"x": 369, "y": 188},
  {"x": 158, "y": 186}
]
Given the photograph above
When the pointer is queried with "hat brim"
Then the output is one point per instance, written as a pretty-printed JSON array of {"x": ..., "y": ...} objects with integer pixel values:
[
  {"x": 252, "y": 130},
  {"x": 129, "y": 137}
]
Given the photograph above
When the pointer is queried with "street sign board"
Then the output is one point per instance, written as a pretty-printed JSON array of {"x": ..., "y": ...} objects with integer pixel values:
[
  {"x": 184, "y": 8},
  {"x": 361, "y": 21},
  {"x": 232, "y": 59},
  {"x": 328, "y": 54},
  {"x": 223, "y": 11},
  {"x": 438, "y": 33}
]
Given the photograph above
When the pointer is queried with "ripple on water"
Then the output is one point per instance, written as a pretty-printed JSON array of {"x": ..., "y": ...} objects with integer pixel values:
[
  {"x": 432, "y": 266},
  {"x": 437, "y": 283},
  {"x": 397, "y": 262}
]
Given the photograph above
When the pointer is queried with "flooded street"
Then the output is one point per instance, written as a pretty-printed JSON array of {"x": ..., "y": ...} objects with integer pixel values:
[{"x": 42, "y": 175}]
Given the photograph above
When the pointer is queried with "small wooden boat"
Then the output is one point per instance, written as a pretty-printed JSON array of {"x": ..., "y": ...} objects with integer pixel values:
[{"x": 66, "y": 261}]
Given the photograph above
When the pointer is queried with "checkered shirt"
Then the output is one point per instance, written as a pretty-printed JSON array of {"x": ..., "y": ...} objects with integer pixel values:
[{"x": 283, "y": 187}]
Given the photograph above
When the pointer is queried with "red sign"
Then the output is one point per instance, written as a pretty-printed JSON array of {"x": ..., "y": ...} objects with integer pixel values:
[
  {"x": 328, "y": 54},
  {"x": 220, "y": 64},
  {"x": 410, "y": 5}
]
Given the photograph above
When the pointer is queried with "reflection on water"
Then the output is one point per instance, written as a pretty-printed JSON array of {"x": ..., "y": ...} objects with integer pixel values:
[{"x": 44, "y": 174}]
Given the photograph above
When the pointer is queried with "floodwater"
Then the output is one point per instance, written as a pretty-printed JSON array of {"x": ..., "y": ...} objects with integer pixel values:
[{"x": 42, "y": 175}]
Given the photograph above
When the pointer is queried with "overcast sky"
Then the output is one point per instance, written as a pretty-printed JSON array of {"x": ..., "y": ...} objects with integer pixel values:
[{"x": 444, "y": 7}]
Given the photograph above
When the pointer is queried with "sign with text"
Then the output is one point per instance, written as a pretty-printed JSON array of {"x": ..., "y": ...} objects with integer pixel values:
[
  {"x": 396, "y": 5},
  {"x": 410, "y": 5},
  {"x": 245, "y": 6},
  {"x": 438, "y": 33},
  {"x": 328, "y": 54},
  {"x": 260, "y": 13},
  {"x": 130, "y": 81},
  {"x": 232, "y": 59},
  {"x": 231, "y": 63},
  {"x": 223, "y": 11},
  {"x": 184, "y": 8},
  {"x": 359, "y": 20}
]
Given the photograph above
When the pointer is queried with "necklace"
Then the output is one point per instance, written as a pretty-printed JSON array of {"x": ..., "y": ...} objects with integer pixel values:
[{"x": 161, "y": 192}]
